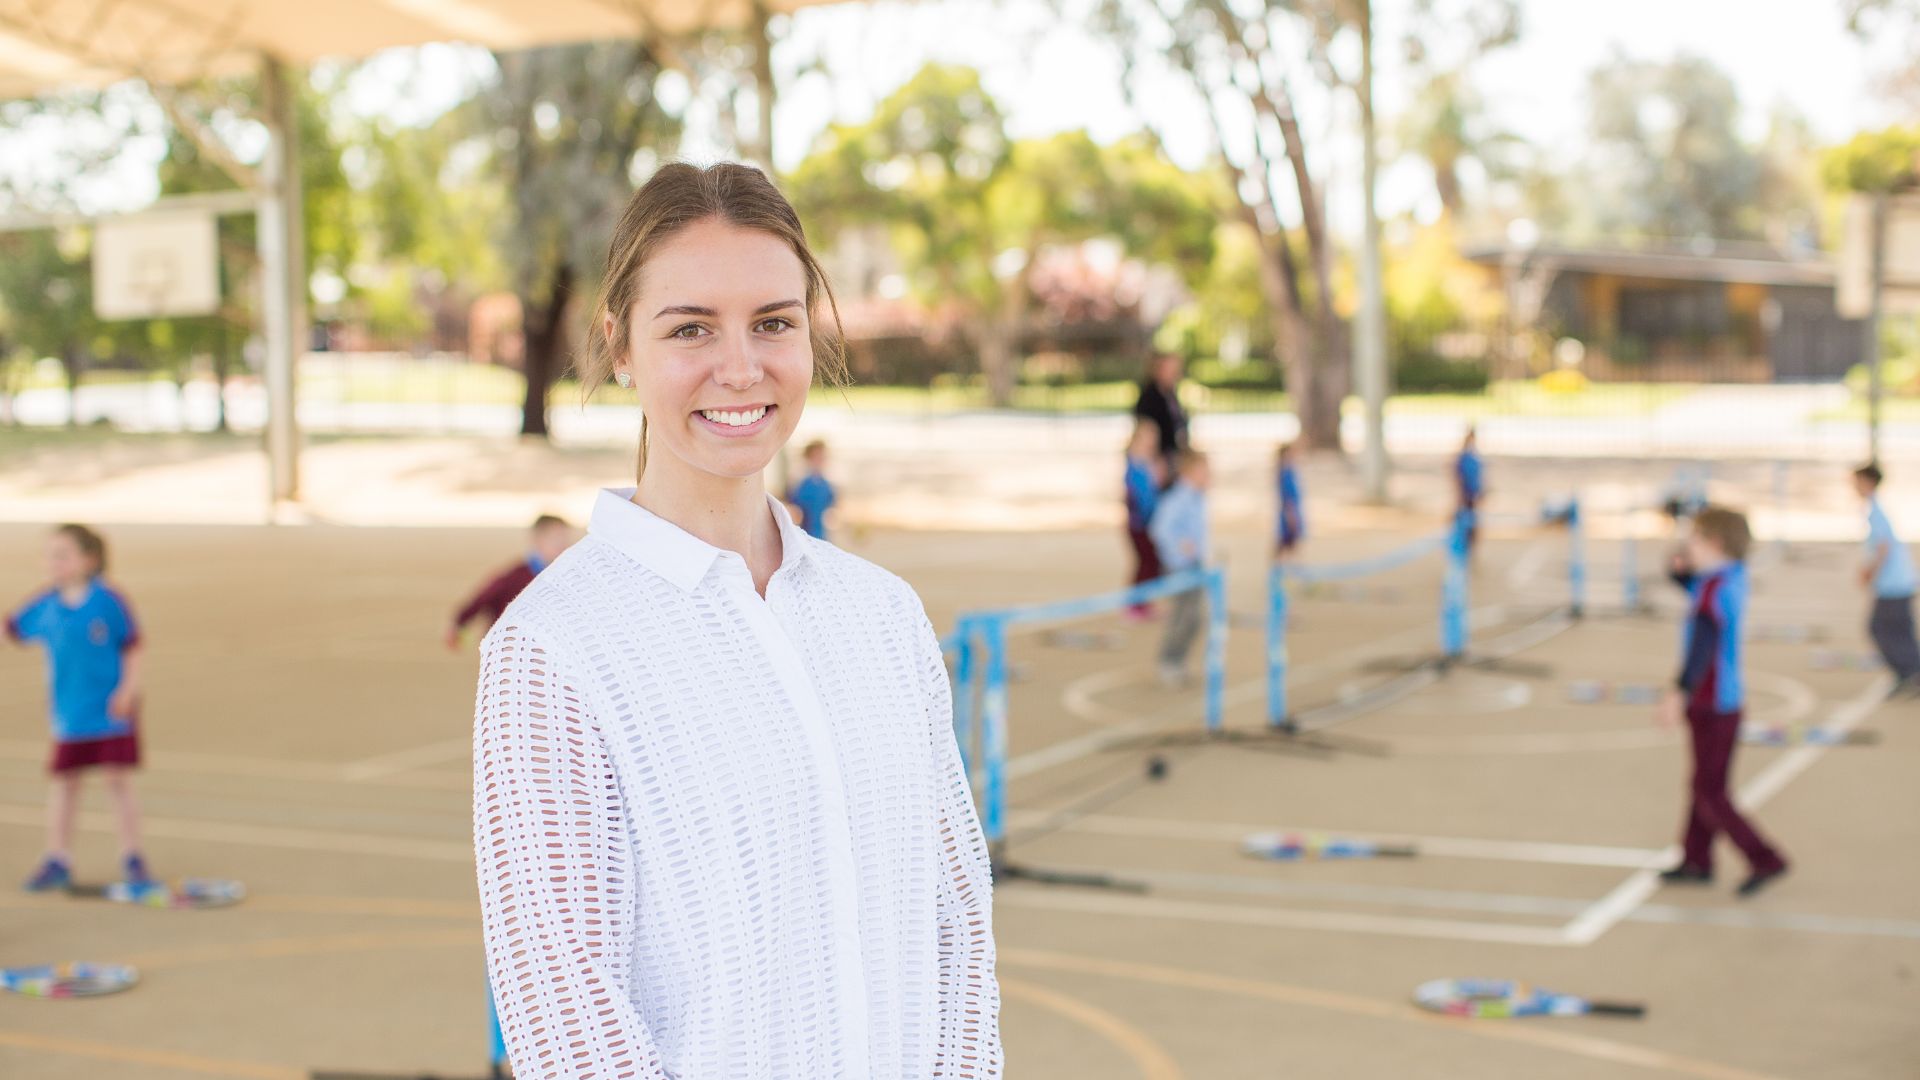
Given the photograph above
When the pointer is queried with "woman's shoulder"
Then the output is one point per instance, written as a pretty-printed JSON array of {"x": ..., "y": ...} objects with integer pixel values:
[{"x": 862, "y": 577}]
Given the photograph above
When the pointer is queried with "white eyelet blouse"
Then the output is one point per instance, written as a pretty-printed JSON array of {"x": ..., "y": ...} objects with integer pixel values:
[{"x": 727, "y": 838}]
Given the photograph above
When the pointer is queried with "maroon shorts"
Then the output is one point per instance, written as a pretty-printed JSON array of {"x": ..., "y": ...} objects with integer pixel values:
[{"x": 112, "y": 750}]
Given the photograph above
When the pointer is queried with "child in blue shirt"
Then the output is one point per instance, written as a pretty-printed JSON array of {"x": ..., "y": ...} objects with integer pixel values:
[
  {"x": 1180, "y": 534},
  {"x": 814, "y": 495},
  {"x": 1293, "y": 514},
  {"x": 1143, "y": 484},
  {"x": 1470, "y": 486},
  {"x": 1888, "y": 572},
  {"x": 93, "y": 673},
  {"x": 1710, "y": 696}
]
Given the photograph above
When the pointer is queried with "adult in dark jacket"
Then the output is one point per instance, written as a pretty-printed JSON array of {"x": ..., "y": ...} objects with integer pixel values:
[{"x": 1160, "y": 404}]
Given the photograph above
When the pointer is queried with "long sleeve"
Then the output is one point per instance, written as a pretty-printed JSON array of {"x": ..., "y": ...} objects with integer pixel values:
[
  {"x": 968, "y": 1044},
  {"x": 557, "y": 893}
]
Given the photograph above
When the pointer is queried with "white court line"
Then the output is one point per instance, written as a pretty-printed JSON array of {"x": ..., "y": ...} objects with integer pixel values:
[
  {"x": 218, "y": 832},
  {"x": 1607, "y": 912},
  {"x": 1240, "y": 914},
  {"x": 1443, "y": 846},
  {"x": 407, "y": 760}
]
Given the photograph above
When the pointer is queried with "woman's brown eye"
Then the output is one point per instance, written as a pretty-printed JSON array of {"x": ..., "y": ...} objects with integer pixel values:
[{"x": 776, "y": 324}]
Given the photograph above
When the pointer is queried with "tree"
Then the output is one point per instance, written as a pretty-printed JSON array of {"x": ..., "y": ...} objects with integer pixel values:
[
  {"x": 574, "y": 127},
  {"x": 1666, "y": 160},
  {"x": 1875, "y": 20},
  {"x": 970, "y": 211},
  {"x": 46, "y": 289}
]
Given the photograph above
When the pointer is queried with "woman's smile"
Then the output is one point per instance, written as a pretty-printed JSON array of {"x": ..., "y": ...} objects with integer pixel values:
[{"x": 738, "y": 422}]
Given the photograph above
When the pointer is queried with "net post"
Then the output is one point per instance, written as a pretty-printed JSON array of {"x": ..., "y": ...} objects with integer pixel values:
[
  {"x": 1453, "y": 592},
  {"x": 1629, "y": 571},
  {"x": 497, "y": 1039},
  {"x": 1576, "y": 559},
  {"x": 1277, "y": 646},
  {"x": 993, "y": 727},
  {"x": 1216, "y": 586},
  {"x": 964, "y": 676}
]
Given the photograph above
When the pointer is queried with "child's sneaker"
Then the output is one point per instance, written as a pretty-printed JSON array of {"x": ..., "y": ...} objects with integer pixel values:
[
  {"x": 53, "y": 874},
  {"x": 135, "y": 872}
]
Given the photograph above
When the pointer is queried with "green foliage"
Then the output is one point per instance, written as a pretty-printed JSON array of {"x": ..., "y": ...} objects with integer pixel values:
[{"x": 1874, "y": 161}]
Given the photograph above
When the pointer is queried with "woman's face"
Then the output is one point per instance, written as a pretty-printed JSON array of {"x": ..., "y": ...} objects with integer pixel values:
[{"x": 717, "y": 343}]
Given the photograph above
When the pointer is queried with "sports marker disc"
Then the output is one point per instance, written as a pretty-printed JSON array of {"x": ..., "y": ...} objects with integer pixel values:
[
  {"x": 78, "y": 979},
  {"x": 188, "y": 893}
]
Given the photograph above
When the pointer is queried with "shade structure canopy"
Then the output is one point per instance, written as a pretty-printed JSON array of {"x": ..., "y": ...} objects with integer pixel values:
[
  {"x": 61, "y": 44},
  {"x": 51, "y": 44}
]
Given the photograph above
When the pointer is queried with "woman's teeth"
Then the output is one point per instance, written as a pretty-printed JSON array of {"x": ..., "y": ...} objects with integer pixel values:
[{"x": 735, "y": 419}]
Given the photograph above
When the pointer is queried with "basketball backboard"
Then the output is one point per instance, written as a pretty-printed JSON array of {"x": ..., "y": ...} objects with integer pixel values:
[{"x": 155, "y": 266}]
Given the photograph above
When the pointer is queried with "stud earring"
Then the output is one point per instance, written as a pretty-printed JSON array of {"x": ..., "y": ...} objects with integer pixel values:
[{"x": 625, "y": 380}]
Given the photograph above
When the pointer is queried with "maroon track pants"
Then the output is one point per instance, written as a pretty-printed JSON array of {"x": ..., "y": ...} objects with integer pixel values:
[
  {"x": 1146, "y": 559},
  {"x": 1712, "y": 812}
]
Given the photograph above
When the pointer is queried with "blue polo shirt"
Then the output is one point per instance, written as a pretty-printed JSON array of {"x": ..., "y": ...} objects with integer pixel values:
[
  {"x": 84, "y": 646},
  {"x": 1469, "y": 475},
  {"x": 814, "y": 497},
  {"x": 1179, "y": 527},
  {"x": 1710, "y": 641},
  {"x": 1896, "y": 576},
  {"x": 1293, "y": 513},
  {"x": 1142, "y": 494}
]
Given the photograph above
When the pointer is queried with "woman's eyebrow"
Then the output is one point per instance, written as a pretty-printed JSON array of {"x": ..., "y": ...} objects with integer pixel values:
[{"x": 688, "y": 309}]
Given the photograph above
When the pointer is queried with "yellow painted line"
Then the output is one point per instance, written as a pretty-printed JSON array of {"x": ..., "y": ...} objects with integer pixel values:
[
  {"x": 162, "y": 1059},
  {"x": 1153, "y": 1062},
  {"x": 1586, "y": 1046}
]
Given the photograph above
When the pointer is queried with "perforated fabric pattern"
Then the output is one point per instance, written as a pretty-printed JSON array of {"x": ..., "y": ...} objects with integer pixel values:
[{"x": 725, "y": 837}]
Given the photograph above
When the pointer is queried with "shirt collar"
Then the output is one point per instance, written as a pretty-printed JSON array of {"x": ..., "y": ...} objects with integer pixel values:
[{"x": 672, "y": 552}]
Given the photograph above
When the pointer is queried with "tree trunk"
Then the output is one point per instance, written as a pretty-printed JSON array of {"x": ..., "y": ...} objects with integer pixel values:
[
  {"x": 70, "y": 361},
  {"x": 996, "y": 345},
  {"x": 543, "y": 326}
]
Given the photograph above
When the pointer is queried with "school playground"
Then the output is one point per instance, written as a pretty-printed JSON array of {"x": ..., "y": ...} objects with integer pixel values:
[{"x": 308, "y": 734}]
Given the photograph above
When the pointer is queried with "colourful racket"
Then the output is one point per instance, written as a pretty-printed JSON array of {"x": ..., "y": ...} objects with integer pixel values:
[
  {"x": 67, "y": 980},
  {"x": 1291, "y": 847},
  {"x": 1487, "y": 999},
  {"x": 187, "y": 893},
  {"x": 1811, "y": 735}
]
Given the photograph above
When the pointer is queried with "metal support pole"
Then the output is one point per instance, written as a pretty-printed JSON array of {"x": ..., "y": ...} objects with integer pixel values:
[
  {"x": 993, "y": 724},
  {"x": 1875, "y": 386},
  {"x": 963, "y": 691},
  {"x": 283, "y": 264},
  {"x": 1216, "y": 649},
  {"x": 1370, "y": 345},
  {"x": 1453, "y": 592},
  {"x": 1277, "y": 647},
  {"x": 1576, "y": 560}
]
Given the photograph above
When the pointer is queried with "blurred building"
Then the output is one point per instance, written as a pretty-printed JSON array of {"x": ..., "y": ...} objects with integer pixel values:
[{"x": 1705, "y": 312}]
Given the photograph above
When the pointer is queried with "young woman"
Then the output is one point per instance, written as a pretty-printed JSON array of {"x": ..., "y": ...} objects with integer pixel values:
[{"x": 720, "y": 820}]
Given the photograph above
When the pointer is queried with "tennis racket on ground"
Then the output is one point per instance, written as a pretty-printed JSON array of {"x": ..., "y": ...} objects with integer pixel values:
[
  {"x": 1486, "y": 999},
  {"x": 78, "y": 979},
  {"x": 1293, "y": 847},
  {"x": 187, "y": 893},
  {"x": 1776, "y": 735}
]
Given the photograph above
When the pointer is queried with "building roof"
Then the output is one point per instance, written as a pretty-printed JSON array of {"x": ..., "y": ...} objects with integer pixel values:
[
  {"x": 55, "y": 44},
  {"x": 1721, "y": 261}
]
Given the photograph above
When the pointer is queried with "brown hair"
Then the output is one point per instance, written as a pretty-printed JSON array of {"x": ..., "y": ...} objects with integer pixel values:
[
  {"x": 548, "y": 521},
  {"x": 675, "y": 197},
  {"x": 1870, "y": 472},
  {"x": 817, "y": 446},
  {"x": 1725, "y": 529},
  {"x": 89, "y": 543}
]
